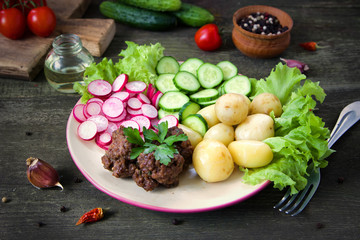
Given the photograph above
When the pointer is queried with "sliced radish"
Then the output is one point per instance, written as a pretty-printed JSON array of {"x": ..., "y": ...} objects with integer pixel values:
[
  {"x": 87, "y": 130},
  {"x": 143, "y": 98},
  {"x": 134, "y": 112},
  {"x": 78, "y": 113},
  {"x": 135, "y": 87},
  {"x": 149, "y": 111},
  {"x": 154, "y": 122},
  {"x": 119, "y": 118},
  {"x": 171, "y": 119},
  {"x": 134, "y": 103},
  {"x": 130, "y": 123},
  {"x": 113, "y": 107},
  {"x": 119, "y": 82},
  {"x": 104, "y": 138},
  {"x": 156, "y": 98},
  {"x": 111, "y": 127},
  {"x": 150, "y": 91},
  {"x": 100, "y": 121},
  {"x": 99, "y": 88},
  {"x": 92, "y": 108},
  {"x": 142, "y": 121},
  {"x": 123, "y": 96},
  {"x": 95, "y": 99}
]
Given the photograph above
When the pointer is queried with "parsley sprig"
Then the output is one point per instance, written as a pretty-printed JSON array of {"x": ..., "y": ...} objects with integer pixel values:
[{"x": 163, "y": 152}]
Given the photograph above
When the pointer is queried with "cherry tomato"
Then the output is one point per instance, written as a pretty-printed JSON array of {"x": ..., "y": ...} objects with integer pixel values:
[
  {"x": 207, "y": 38},
  {"x": 41, "y": 21},
  {"x": 12, "y": 23},
  {"x": 30, "y": 4}
]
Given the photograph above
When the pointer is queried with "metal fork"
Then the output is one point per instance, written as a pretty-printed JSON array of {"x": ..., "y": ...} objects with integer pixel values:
[{"x": 347, "y": 118}]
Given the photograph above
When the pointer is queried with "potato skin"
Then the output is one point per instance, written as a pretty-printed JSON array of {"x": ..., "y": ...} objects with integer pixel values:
[
  {"x": 250, "y": 153},
  {"x": 212, "y": 161},
  {"x": 208, "y": 113},
  {"x": 232, "y": 108},
  {"x": 255, "y": 127},
  {"x": 194, "y": 137},
  {"x": 266, "y": 103},
  {"x": 221, "y": 132}
]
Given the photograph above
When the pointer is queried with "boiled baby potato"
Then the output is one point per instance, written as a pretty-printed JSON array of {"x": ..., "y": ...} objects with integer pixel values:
[
  {"x": 212, "y": 161},
  {"x": 255, "y": 127},
  {"x": 266, "y": 103},
  {"x": 208, "y": 113},
  {"x": 232, "y": 108},
  {"x": 194, "y": 137},
  {"x": 250, "y": 153},
  {"x": 221, "y": 132}
]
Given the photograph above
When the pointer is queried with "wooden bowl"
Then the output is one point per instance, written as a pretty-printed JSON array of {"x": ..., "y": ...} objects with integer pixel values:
[{"x": 257, "y": 45}]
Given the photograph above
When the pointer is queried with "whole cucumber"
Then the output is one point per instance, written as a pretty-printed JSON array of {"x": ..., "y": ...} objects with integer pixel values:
[
  {"x": 156, "y": 5},
  {"x": 138, "y": 17},
  {"x": 193, "y": 15}
]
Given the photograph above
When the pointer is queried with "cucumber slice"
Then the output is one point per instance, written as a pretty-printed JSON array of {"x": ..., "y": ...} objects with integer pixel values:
[
  {"x": 205, "y": 95},
  {"x": 173, "y": 101},
  {"x": 238, "y": 84},
  {"x": 167, "y": 64},
  {"x": 191, "y": 65},
  {"x": 229, "y": 70},
  {"x": 162, "y": 113},
  {"x": 205, "y": 104},
  {"x": 165, "y": 83},
  {"x": 197, "y": 123},
  {"x": 209, "y": 75},
  {"x": 186, "y": 81},
  {"x": 187, "y": 109}
]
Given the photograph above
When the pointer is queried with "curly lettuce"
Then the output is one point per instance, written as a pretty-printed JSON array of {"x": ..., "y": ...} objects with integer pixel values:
[{"x": 300, "y": 142}]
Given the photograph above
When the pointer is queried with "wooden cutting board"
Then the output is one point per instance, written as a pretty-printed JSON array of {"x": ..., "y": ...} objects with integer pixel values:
[{"x": 24, "y": 58}]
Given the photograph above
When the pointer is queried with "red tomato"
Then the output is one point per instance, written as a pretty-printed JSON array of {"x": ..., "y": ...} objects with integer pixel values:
[
  {"x": 28, "y": 5},
  {"x": 12, "y": 23},
  {"x": 41, "y": 21},
  {"x": 207, "y": 38}
]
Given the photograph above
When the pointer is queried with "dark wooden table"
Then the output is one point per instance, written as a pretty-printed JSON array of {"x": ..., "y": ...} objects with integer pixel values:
[{"x": 33, "y": 120}]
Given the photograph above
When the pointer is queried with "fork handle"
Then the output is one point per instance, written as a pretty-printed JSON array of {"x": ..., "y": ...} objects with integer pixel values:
[{"x": 346, "y": 120}]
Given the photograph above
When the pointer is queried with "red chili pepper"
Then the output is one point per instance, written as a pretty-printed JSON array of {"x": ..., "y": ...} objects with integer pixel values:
[
  {"x": 311, "y": 46},
  {"x": 91, "y": 216}
]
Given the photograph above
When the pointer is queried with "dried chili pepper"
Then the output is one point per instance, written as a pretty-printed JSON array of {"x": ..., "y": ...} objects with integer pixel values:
[
  {"x": 91, "y": 216},
  {"x": 310, "y": 46}
]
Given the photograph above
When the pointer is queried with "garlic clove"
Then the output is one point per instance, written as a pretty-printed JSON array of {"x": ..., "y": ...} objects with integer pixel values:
[
  {"x": 41, "y": 174},
  {"x": 295, "y": 63}
]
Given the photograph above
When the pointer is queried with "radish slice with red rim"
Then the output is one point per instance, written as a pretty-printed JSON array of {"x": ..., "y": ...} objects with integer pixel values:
[
  {"x": 134, "y": 112},
  {"x": 104, "y": 138},
  {"x": 95, "y": 99},
  {"x": 123, "y": 96},
  {"x": 156, "y": 98},
  {"x": 78, "y": 113},
  {"x": 119, "y": 82},
  {"x": 99, "y": 88},
  {"x": 149, "y": 111},
  {"x": 100, "y": 121},
  {"x": 134, "y": 103},
  {"x": 171, "y": 119},
  {"x": 119, "y": 118},
  {"x": 130, "y": 123},
  {"x": 113, "y": 107},
  {"x": 92, "y": 108},
  {"x": 143, "y": 98},
  {"x": 142, "y": 121},
  {"x": 154, "y": 122},
  {"x": 150, "y": 91},
  {"x": 87, "y": 130},
  {"x": 135, "y": 87}
]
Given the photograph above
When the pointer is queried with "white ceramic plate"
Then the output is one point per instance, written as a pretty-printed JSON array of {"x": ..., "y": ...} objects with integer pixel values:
[{"x": 191, "y": 195}]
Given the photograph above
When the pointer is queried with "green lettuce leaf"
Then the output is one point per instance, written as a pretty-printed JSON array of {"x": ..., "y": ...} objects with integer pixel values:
[
  {"x": 139, "y": 61},
  {"x": 300, "y": 142}
]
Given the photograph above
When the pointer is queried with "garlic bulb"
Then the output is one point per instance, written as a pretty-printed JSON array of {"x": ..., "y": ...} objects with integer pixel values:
[{"x": 41, "y": 174}]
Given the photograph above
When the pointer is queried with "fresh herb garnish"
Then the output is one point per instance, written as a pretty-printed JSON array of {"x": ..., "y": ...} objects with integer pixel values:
[{"x": 162, "y": 152}]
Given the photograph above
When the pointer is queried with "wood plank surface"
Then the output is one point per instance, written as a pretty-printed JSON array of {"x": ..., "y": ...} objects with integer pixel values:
[{"x": 33, "y": 122}]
